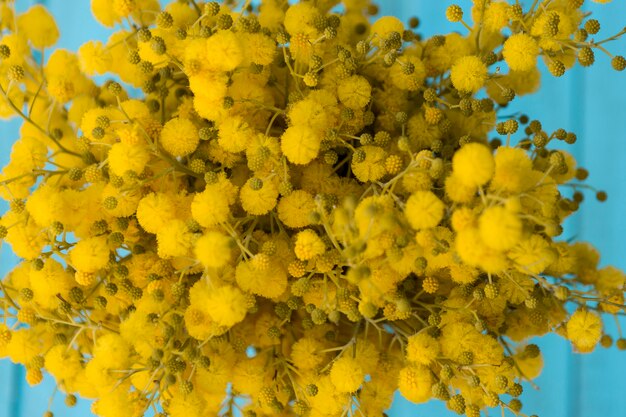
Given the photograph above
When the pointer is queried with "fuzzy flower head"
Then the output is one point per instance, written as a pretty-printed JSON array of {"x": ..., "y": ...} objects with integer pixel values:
[{"x": 296, "y": 207}]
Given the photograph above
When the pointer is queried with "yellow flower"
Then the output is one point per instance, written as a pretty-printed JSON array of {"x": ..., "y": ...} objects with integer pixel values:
[
  {"x": 94, "y": 58},
  {"x": 258, "y": 197},
  {"x": 90, "y": 255},
  {"x": 385, "y": 25},
  {"x": 520, "y": 52},
  {"x": 307, "y": 353},
  {"x": 234, "y": 134},
  {"x": 300, "y": 144},
  {"x": 308, "y": 245},
  {"x": 155, "y": 211},
  {"x": 174, "y": 239},
  {"x": 294, "y": 210},
  {"x": 500, "y": 228},
  {"x": 469, "y": 74},
  {"x": 584, "y": 329},
  {"x": 280, "y": 177},
  {"x": 213, "y": 249},
  {"x": 354, "y": 92},
  {"x": 124, "y": 157},
  {"x": 347, "y": 374},
  {"x": 179, "y": 137},
  {"x": 422, "y": 348},
  {"x": 414, "y": 383},
  {"x": 473, "y": 164},
  {"x": 38, "y": 25},
  {"x": 300, "y": 18},
  {"x": 424, "y": 210}
]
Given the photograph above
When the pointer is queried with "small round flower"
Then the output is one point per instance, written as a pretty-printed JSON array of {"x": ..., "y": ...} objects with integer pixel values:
[
  {"x": 235, "y": 134},
  {"x": 354, "y": 92},
  {"x": 618, "y": 63},
  {"x": 415, "y": 382},
  {"x": 213, "y": 249},
  {"x": 454, "y": 13},
  {"x": 179, "y": 137},
  {"x": 90, "y": 255},
  {"x": 424, "y": 210},
  {"x": 372, "y": 167},
  {"x": 520, "y": 52},
  {"x": 38, "y": 25},
  {"x": 300, "y": 18},
  {"x": 258, "y": 199},
  {"x": 584, "y": 330},
  {"x": 586, "y": 56},
  {"x": 347, "y": 374},
  {"x": 210, "y": 207},
  {"x": 473, "y": 164},
  {"x": 386, "y": 25},
  {"x": 175, "y": 239},
  {"x": 124, "y": 157},
  {"x": 154, "y": 211},
  {"x": 308, "y": 245},
  {"x": 500, "y": 229},
  {"x": 123, "y": 8},
  {"x": 94, "y": 58},
  {"x": 307, "y": 353},
  {"x": 469, "y": 74},
  {"x": 300, "y": 144},
  {"x": 270, "y": 283},
  {"x": 226, "y": 51},
  {"x": 422, "y": 348},
  {"x": 295, "y": 208},
  {"x": 228, "y": 305}
]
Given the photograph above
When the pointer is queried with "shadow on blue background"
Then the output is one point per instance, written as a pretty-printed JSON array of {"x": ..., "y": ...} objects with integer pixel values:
[{"x": 591, "y": 103}]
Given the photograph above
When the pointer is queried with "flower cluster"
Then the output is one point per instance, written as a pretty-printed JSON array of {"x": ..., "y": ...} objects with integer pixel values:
[{"x": 293, "y": 210}]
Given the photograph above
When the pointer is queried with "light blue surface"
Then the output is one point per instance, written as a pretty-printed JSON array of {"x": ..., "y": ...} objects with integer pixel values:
[{"x": 591, "y": 103}]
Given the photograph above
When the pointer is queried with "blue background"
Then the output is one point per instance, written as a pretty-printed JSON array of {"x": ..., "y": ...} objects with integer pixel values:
[{"x": 591, "y": 103}]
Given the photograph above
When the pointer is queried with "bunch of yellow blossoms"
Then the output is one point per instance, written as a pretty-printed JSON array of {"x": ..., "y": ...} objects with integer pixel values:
[{"x": 289, "y": 211}]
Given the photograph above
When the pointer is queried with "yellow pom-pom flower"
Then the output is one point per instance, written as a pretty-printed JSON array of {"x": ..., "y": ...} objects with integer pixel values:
[
  {"x": 308, "y": 245},
  {"x": 422, "y": 348},
  {"x": 234, "y": 134},
  {"x": 424, "y": 210},
  {"x": 385, "y": 25},
  {"x": 38, "y": 25},
  {"x": 213, "y": 249},
  {"x": 258, "y": 197},
  {"x": 354, "y": 92},
  {"x": 94, "y": 58},
  {"x": 500, "y": 229},
  {"x": 90, "y": 255},
  {"x": 584, "y": 329},
  {"x": 174, "y": 239},
  {"x": 300, "y": 144},
  {"x": 469, "y": 74},
  {"x": 124, "y": 157},
  {"x": 414, "y": 383},
  {"x": 473, "y": 165},
  {"x": 104, "y": 13},
  {"x": 347, "y": 374},
  {"x": 155, "y": 211},
  {"x": 179, "y": 137},
  {"x": 520, "y": 52},
  {"x": 294, "y": 209},
  {"x": 228, "y": 305},
  {"x": 300, "y": 18},
  {"x": 209, "y": 207},
  {"x": 282, "y": 176}
]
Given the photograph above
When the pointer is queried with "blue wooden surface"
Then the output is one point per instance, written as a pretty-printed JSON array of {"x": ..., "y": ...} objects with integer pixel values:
[{"x": 591, "y": 103}]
